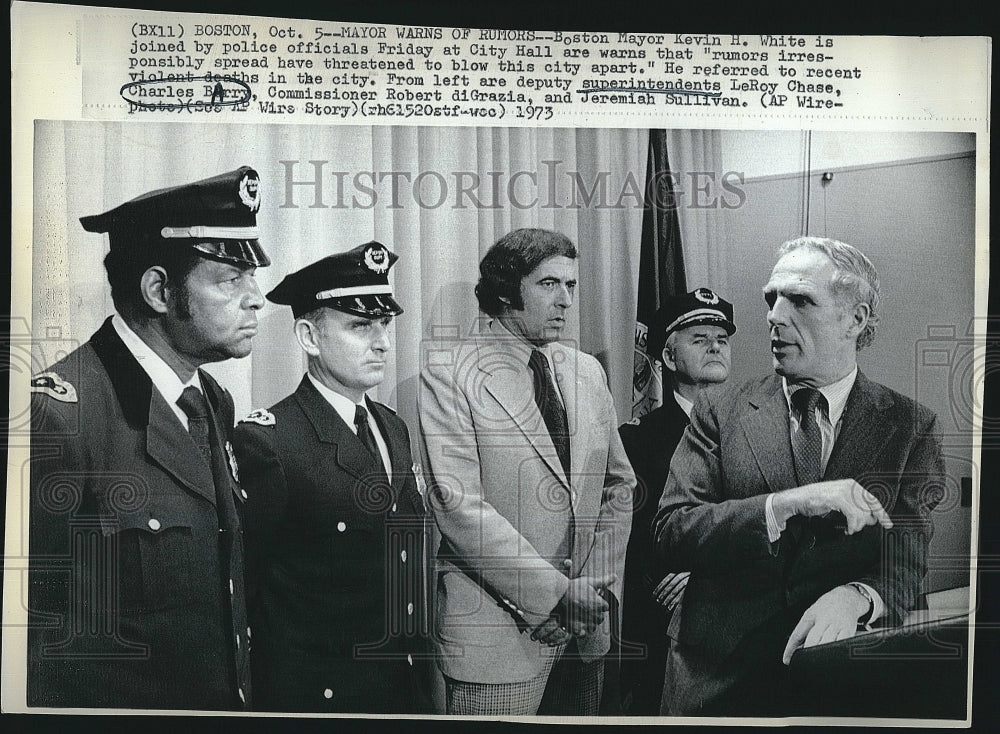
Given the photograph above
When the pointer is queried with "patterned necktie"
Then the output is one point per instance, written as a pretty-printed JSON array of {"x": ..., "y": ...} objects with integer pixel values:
[
  {"x": 194, "y": 405},
  {"x": 367, "y": 437},
  {"x": 807, "y": 442},
  {"x": 552, "y": 410}
]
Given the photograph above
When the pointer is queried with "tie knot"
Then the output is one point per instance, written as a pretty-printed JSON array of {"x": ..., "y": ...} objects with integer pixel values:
[
  {"x": 360, "y": 416},
  {"x": 538, "y": 362},
  {"x": 192, "y": 402},
  {"x": 806, "y": 399}
]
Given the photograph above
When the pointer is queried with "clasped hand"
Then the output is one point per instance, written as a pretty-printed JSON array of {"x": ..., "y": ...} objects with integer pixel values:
[{"x": 580, "y": 611}]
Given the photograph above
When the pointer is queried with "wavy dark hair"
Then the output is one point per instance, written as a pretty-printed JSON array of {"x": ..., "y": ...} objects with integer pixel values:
[{"x": 511, "y": 258}]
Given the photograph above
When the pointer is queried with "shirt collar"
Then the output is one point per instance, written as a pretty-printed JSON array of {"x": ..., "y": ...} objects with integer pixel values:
[
  {"x": 836, "y": 394},
  {"x": 545, "y": 349},
  {"x": 164, "y": 379},
  {"x": 345, "y": 407},
  {"x": 684, "y": 404}
]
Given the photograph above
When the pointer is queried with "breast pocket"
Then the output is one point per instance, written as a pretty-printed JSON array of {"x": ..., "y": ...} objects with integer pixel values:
[{"x": 149, "y": 562}]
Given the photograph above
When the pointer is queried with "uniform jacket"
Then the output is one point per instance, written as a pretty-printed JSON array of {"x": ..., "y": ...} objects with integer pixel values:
[
  {"x": 136, "y": 596},
  {"x": 514, "y": 527},
  {"x": 650, "y": 444},
  {"x": 337, "y": 560},
  {"x": 711, "y": 516}
]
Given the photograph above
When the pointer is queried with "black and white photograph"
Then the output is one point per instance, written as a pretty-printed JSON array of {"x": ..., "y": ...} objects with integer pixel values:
[{"x": 633, "y": 423}]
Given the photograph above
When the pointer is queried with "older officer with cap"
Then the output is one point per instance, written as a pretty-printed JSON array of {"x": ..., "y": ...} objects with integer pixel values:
[
  {"x": 690, "y": 336},
  {"x": 136, "y": 595},
  {"x": 335, "y": 518}
]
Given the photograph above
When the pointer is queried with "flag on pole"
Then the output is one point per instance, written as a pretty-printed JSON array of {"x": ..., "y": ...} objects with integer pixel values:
[{"x": 661, "y": 269}]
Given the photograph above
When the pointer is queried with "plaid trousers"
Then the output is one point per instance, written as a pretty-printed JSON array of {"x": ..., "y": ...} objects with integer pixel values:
[{"x": 567, "y": 687}]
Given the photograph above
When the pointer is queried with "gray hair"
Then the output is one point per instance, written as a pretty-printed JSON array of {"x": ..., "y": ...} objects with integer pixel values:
[{"x": 855, "y": 279}]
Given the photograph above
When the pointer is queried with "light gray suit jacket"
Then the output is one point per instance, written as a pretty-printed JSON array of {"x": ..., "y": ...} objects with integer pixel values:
[{"x": 505, "y": 508}]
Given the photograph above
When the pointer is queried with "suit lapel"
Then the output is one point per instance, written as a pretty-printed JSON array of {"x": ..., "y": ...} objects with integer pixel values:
[
  {"x": 167, "y": 443},
  {"x": 509, "y": 381},
  {"x": 862, "y": 434},
  {"x": 347, "y": 450},
  {"x": 768, "y": 432},
  {"x": 395, "y": 441},
  {"x": 170, "y": 446}
]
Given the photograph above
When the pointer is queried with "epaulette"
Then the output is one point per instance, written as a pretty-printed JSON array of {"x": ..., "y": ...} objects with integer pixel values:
[
  {"x": 51, "y": 384},
  {"x": 261, "y": 417}
]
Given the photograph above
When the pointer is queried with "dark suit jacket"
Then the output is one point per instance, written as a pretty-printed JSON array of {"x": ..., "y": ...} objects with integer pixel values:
[
  {"x": 711, "y": 522},
  {"x": 650, "y": 444},
  {"x": 336, "y": 562},
  {"x": 136, "y": 598}
]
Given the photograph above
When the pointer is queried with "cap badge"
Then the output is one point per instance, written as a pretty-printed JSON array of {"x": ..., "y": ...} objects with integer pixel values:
[
  {"x": 377, "y": 259},
  {"x": 250, "y": 191},
  {"x": 233, "y": 468},
  {"x": 706, "y": 296},
  {"x": 51, "y": 384}
]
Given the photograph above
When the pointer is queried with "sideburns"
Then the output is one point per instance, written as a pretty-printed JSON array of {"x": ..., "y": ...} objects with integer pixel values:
[{"x": 181, "y": 299}]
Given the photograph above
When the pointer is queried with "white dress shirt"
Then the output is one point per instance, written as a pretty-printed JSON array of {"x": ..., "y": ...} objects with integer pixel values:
[
  {"x": 828, "y": 420},
  {"x": 346, "y": 409},
  {"x": 163, "y": 377}
]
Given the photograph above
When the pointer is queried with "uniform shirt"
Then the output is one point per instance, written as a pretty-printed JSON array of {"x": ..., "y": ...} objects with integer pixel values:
[
  {"x": 684, "y": 404},
  {"x": 828, "y": 420},
  {"x": 164, "y": 379},
  {"x": 346, "y": 409}
]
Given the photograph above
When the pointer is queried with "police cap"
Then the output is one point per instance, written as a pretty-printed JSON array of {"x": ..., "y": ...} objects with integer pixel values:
[
  {"x": 217, "y": 217},
  {"x": 356, "y": 282},
  {"x": 700, "y": 306}
]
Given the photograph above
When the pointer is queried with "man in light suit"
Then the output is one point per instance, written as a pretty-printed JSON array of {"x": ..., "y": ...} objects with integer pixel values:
[
  {"x": 800, "y": 503},
  {"x": 531, "y": 490},
  {"x": 136, "y": 595},
  {"x": 334, "y": 518},
  {"x": 689, "y": 335}
]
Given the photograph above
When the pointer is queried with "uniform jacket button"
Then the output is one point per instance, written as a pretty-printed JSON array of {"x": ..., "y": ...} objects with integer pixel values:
[
  {"x": 154, "y": 524},
  {"x": 328, "y": 693},
  {"x": 341, "y": 526},
  {"x": 402, "y": 556}
]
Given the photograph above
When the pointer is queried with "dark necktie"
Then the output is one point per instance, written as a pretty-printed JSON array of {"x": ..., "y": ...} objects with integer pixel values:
[
  {"x": 552, "y": 410},
  {"x": 194, "y": 405},
  {"x": 367, "y": 437},
  {"x": 192, "y": 402},
  {"x": 807, "y": 442}
]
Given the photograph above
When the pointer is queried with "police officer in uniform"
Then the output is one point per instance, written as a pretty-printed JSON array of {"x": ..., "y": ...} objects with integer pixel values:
[
  {"x": 136, "y": 595},
  {"x": 335, "y": 517},
  {"x": 690, "y": 336}
]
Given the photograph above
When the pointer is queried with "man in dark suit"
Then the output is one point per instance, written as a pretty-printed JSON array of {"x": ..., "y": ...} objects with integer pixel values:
[
  {"x": 136, "y": 596},
  {"x": 800, "y": 503},
  {"x": 689, "y": 335},
  {"x": 335, "y": 520}
]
